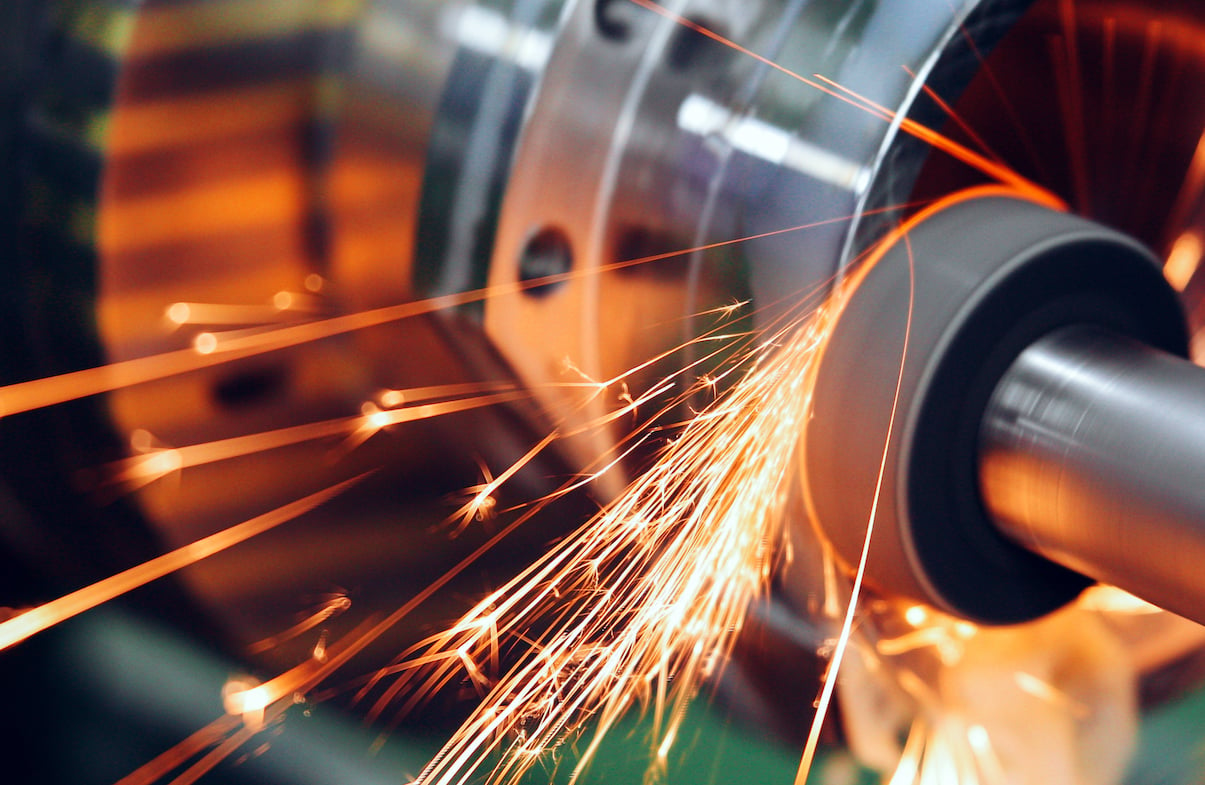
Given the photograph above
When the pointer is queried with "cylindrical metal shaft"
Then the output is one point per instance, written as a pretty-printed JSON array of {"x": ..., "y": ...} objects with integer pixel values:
[{"x": 1092, "y": 453}]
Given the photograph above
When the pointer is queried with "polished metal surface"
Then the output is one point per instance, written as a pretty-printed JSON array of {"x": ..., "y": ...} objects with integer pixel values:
[
  {"x": 657, "y": 142},
  {"x": 1092, "y": 454}
]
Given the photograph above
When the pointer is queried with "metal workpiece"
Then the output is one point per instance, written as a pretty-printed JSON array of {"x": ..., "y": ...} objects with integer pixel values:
[
  {"x": 1092, "y": 453},
  {"x": 945, "y": 311},
  {"x": 684, "y": 144}
]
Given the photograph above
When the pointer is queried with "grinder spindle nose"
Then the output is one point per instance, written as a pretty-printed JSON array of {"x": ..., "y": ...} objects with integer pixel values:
[{"x": 1046, "y": 431}]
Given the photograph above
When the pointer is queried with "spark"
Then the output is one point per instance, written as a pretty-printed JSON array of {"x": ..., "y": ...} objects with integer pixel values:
[
  {"x": 1044, "y": 690},
  {"x": 140, "y": 470},
  {"x": 285, "y": 305},
  {"x": 482, "y": 505},
  {"x": 42, "y": 617},
  {"x": 327, "y": 610},
  {"x": 727, "y": 311},
  {"x": 319, "y": 653},
  {"x": 916, "y": 615},
  {"x": 1183, "y": 260},
  {"x": 638, "y": 606},
  {"x": 244, "y": 698},
  {"x": 646, "y": 598},
  {"x": 391, "y": 399},
  {"x": 374, "y": 418},
  {"x": 826, "y": 693},
  {"x": 957, "y": 118},
  {"x": 209, "y": 350},
  {"x": 833, "y": 89},
  {"x": 205, "y": 343}
]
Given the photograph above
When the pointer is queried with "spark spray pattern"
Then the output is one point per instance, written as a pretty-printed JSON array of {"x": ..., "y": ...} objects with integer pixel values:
[{"x": 642, "y": 604}]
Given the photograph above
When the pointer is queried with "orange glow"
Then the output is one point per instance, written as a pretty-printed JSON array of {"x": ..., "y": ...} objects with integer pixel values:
[
  {"x": 172, "y": 28},
  {"x": 186, "y": 120},
  {"x": 1184, "y": 259},
  {"x": 205, "y": 343},
  {"x": 226, "y": 206},
  {"x": 246, "y": 698}
]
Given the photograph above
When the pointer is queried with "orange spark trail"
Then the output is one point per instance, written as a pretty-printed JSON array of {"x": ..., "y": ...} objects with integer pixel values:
[
  {"x": 142, "y": 469},
  {"x": 998, "y": 171},
  {"x": 1070, "y": 82},
  {"x": 958, "y": 119},
  {"x": 834, "y": 665},
  {"x": 1020, "y": 130},
  {"x": 44, "y": 616},
  {"x": 483, "y": 495},
  {"x": 645, "y": 600},
  {"x": 225, "y": 735},
  {"x": 326, "y": 611},
  {"x": 52, "y": 390},
  {"x": 1192, "y": 188},
  {"x": 162, "y": 765},
  {"x": 835, "y": 90}
]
